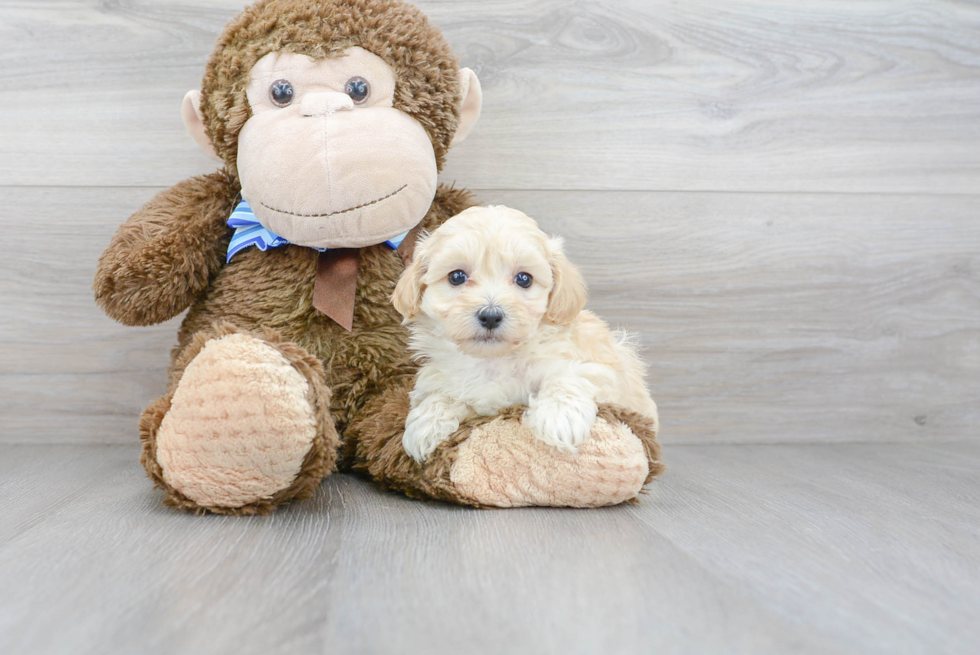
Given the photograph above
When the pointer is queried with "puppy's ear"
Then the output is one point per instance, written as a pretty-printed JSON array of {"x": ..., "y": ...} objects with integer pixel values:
[
  {"x": 408, "y": 292},
  {"x": 568, "y": 292}
]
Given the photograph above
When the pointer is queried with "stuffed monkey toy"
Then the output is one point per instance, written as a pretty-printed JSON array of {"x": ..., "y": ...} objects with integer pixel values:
[{"x": 331, "y": 119}]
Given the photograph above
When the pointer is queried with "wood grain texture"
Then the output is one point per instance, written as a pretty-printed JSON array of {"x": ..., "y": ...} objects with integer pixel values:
[
  {"x": 761, "y": 95},
  {"x": 843, "y": 548},
  {"x": 765, "y": 317}
]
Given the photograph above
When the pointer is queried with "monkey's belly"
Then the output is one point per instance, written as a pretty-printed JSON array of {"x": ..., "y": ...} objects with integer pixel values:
[{"x": 274, "y": 290}]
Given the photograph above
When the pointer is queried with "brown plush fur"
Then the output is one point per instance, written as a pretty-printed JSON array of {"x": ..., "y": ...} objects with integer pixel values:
[
  {"x": 163, "y": 258},
  {"x": 377, "y": 433},
  {"x": 320, "y": 461},
  {"x": 426, "y": 70}
]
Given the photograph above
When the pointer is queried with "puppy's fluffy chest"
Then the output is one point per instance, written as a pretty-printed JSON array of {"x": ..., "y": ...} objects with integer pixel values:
[
  {"x": 486, "y": 385},
  {"x": 512, "y": 376}
]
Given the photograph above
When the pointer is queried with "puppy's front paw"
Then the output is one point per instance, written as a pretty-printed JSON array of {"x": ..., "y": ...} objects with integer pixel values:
[
  {"x": 423, "y": 434},
  {"x": 564, "y": 424}
]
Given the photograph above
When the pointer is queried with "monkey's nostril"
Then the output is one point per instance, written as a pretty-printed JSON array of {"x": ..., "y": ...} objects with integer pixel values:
[{"x": 490, "y": 317}]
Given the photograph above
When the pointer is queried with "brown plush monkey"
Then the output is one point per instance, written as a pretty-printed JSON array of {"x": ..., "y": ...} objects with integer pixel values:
[{"x": 332, "y": 119}]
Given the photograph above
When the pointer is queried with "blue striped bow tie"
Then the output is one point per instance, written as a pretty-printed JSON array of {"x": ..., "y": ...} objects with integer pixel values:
[{"x": 249, "y": 232}]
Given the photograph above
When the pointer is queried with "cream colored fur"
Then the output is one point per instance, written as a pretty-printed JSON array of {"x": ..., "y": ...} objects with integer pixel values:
[
  {"x": 238, "y": 401},
  {"x": 547, "y": 353}
]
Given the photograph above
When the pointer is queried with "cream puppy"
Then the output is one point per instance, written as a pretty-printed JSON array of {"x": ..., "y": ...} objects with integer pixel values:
[{"x": 496, "y": 315}]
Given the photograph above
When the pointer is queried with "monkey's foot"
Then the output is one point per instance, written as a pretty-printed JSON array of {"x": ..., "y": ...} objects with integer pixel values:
[
  {"x": 243, "y": 429},
  {"x": 497, "y": 462},
  {"x": 502, "y": 464}
]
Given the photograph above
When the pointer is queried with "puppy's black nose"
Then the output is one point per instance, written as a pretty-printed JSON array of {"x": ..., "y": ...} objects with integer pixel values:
[{"x": 490, "y": 317}]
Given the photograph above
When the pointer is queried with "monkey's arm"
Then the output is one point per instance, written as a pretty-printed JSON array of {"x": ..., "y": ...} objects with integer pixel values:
[{"x": 163, "y": 257}]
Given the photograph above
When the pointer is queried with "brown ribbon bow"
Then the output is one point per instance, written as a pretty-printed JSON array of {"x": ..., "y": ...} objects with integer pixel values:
[{"x": 336, "y": 279}]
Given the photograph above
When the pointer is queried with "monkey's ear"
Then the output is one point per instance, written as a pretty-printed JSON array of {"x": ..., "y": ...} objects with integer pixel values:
[
  {"x": 190, "y": 111},
  {"x": 469, "y": 110}
]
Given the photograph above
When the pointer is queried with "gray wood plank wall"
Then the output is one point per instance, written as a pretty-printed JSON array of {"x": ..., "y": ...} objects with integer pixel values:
[{"x": 780, "y": 198}]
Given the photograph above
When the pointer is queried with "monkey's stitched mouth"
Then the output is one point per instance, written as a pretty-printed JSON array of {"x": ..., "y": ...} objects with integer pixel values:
[{"x": 342, "y": 211}]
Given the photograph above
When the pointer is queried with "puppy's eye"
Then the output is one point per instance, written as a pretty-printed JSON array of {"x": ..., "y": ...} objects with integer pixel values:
[
  {"x": 523, "y": 280},
  {"x": 281, "y": 93},
  {"x": 456, "y": 278},
  {"x": 358, "y": 89}
]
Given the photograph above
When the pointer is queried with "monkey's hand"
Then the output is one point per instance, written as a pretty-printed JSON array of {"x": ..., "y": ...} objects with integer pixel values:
[{"x": 163, "y": 257}]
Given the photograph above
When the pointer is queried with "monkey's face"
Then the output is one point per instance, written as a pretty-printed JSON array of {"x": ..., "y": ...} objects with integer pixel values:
[{"x": 325, "y": 160}]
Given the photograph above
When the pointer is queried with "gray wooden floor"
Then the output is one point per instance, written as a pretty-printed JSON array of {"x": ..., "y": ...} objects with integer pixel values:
[{"x": 869, "y": 548}]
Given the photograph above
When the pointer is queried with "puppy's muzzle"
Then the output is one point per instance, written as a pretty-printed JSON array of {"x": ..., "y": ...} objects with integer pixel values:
[{"x": 490, "y": 317}]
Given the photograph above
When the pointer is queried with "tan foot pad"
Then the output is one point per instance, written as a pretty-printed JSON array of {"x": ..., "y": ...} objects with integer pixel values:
[
  {"x": 239, "y": 424},
  {"x": 502, "y": 465}
]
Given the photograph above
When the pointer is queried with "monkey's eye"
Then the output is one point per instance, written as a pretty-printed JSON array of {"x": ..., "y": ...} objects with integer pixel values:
[
  {"x": 523, "y": 280},
  {"x": 358, "y": 89},
  {"x": 457, "y": 278},
  {"x": 281, "y": 93}
]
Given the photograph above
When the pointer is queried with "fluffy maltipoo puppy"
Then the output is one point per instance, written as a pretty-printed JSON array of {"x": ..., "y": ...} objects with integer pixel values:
[{"x": 496, "y": 315}]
